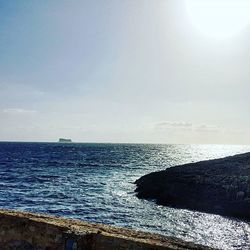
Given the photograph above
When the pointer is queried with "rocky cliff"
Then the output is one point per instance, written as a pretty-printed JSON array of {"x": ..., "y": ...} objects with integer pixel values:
[{"x": 220, "y": 186}]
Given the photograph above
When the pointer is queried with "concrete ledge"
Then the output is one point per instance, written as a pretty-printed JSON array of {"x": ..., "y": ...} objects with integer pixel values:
[{"x": 29, "y": 231}]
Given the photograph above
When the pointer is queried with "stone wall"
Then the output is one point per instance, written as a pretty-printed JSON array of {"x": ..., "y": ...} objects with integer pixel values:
[{"x": 29, "y": 231}]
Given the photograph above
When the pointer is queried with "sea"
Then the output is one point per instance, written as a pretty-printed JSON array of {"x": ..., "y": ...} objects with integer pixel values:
[{"x": 95, "y": 182}]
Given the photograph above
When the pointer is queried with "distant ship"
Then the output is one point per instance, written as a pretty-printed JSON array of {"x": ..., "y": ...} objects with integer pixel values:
[{"x": 63, "y": 140}]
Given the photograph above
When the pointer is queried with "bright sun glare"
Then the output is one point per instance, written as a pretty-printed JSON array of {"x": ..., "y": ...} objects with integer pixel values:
[{"x": 219, "y": 18}]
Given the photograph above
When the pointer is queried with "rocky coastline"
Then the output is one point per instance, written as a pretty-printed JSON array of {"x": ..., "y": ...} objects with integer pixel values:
[{"x": 220, "y": 186}]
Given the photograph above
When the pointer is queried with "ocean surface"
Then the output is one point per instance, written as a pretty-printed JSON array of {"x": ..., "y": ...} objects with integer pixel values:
[{"x": 95, "y": 182}]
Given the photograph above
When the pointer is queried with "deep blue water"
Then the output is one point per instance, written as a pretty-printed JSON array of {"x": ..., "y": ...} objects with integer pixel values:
[{"x": 95, "y": 182}]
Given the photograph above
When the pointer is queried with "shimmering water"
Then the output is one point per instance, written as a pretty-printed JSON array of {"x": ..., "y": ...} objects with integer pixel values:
[{"x": 95, "y": 182}]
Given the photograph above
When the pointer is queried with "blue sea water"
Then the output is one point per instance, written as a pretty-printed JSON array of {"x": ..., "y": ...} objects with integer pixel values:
[{"x": 95, "y": 182}]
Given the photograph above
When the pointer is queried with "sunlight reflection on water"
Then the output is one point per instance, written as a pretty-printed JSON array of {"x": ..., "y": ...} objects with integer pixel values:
[{"x": 95, "y": 182}]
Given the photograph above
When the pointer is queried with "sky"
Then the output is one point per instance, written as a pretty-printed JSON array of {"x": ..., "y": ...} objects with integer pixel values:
[{"x": 136, "y": 71}]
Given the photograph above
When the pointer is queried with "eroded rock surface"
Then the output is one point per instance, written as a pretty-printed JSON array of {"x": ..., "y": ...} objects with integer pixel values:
[
  {"x": 220, "y": 186},
  {"x": 29, "y": 231}
]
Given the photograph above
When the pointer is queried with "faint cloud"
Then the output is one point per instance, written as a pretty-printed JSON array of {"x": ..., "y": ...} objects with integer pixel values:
[
  {"x": 174, "y": 124},
  {"x": 183, "y": 125},
  {"x": 207, "y": 128},
  {"x": 18, "y": 111}
]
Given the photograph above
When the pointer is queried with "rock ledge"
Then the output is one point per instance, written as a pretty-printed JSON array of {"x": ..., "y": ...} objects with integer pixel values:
[
  {"x": 29, "y": 231},
  {"x": 220, "y": 186}
]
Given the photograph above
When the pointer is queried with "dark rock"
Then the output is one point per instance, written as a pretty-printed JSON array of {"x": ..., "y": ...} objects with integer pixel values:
[{"x": 220, "y": 186}]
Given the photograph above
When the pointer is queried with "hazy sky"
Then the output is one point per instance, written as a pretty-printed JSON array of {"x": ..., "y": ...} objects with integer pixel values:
[{"x": 161, "y": 71}]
